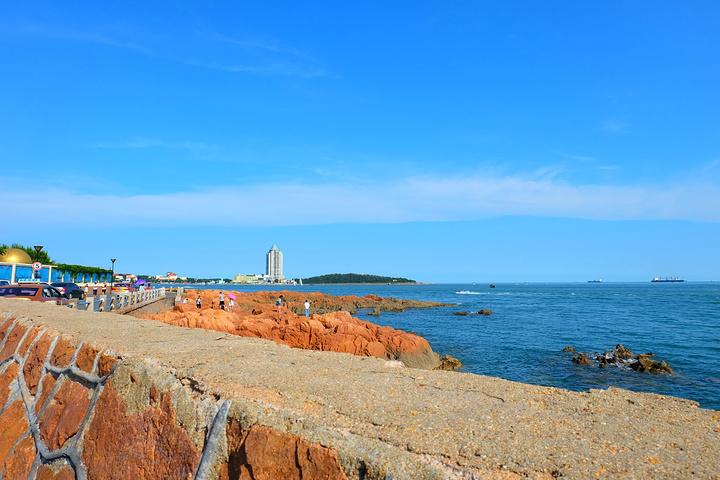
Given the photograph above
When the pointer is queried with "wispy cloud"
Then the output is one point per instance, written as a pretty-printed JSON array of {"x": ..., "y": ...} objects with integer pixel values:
[
  {"x": 613, "y": 126},
  {"x": 244, "y": 56},
  {"x": 143, "y": 143},
  {"x": 56, "y": 33},
  {"x": 264, "y": 69},
  {"x": 402, "y": 200},
  {"x": 579, "y": 158},
  {"x": 265, "y": 45}
]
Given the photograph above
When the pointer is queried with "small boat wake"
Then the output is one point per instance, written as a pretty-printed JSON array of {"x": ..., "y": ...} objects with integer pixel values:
[{"x": 469, "y": 292}]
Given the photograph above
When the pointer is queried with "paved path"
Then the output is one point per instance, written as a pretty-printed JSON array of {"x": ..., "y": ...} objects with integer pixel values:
[{"x": 467, "y": 426}]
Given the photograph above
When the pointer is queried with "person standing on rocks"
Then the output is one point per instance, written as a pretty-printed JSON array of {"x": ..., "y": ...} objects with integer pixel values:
[
  {"x": 198, "y": 302},
  {"x": 222, "y": 301},
  {"x": 307, "y": 308}
]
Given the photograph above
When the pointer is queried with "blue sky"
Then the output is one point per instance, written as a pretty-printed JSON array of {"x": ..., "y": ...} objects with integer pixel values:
[{"x": 447, "y": 142}]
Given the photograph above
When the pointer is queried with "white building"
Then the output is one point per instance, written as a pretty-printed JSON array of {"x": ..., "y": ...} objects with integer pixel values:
[{"x": 274, "y": 264}]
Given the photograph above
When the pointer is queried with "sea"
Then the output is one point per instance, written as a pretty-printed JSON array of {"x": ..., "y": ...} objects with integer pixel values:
[{"x": 531, "y": 323}]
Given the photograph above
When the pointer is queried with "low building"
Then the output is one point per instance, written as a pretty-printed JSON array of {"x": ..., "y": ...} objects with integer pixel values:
[
  {"x": 247, "y": 278},
  {"x": 170, "y": 277}
]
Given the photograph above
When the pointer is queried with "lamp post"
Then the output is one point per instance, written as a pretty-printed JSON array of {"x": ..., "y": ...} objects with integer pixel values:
[
  {"x": 38, "y": 248},
  {"x": 112, "y": 274}
]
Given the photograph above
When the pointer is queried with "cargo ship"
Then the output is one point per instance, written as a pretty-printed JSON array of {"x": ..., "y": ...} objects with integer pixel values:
[{"x": 667, "y": 280}]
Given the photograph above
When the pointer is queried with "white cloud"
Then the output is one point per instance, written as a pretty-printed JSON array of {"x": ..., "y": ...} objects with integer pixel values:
[{"x": 405, "y": 200}]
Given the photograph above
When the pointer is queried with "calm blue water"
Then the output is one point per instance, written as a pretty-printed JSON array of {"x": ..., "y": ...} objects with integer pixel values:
[{"x": 523, "y": 339}]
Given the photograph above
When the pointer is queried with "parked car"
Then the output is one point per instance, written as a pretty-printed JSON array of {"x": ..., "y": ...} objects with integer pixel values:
[
  {"x": 37, "y": 292},
  {"x": 69, "y": 289},
  {"x": 3, "y": 283}
]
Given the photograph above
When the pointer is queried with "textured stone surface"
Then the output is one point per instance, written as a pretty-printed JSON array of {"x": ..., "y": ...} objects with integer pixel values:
[
  {"x": 35, "y": 362},
  {"x": 12, "y": 341},
  {"x": 86, "y": 358},
  {"x": 7, "y": 376},
  {"x": 62, "y": 417},
  {"x": 13, "y": 425},
  {"x": 48, "y": 382},
  {"x": 148, "y": 445},
  {"x": 106, "y": 364},
  {"x": 18, "y": 462},
  {"x": 27, "y": 341},
  {"x": 270, "y": 455},
  {"x": 62, "y": 353},
  {"x": 49, "y": 472}
]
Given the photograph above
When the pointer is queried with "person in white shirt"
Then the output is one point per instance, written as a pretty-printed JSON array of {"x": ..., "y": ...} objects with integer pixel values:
[{"x": 307, "y": 308}]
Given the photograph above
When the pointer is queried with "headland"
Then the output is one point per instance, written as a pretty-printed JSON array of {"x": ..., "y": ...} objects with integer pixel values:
[{"x": 330, "y": 327}]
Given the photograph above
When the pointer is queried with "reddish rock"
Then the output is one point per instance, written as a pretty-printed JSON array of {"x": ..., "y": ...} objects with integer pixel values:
[
  {"x": 18, "y": 462},
  {"x": 6, "y": 379},
  {"x": 13, "y": 425},
  {"x": 5, "y": 326},
  {"x": 35, "y": 362},
  {"x": 148, "y": 445},
  {"x": 106, "y": 364},
  {"x": 335, "y": 331},
  {"x": 49, "y": 472},
  {"x": 62, "y": 353},
  {"x": 64, "y": 414},
  {"x": 25, "y": 344},
  {"x": 48, "y": 382},
  {"x": 13, "y": 339},
  {"x": 266, "y": 454},
  {"x": 86, "y": 358}
]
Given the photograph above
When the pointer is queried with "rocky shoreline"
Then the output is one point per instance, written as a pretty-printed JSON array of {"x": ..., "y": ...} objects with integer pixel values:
[
  {"x": 621, "y": 357},
  {"x": 331, "y": 326}
]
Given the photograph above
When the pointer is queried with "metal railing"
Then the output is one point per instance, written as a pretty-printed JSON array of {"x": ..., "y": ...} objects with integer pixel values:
[{"x": 118, "y": 302}]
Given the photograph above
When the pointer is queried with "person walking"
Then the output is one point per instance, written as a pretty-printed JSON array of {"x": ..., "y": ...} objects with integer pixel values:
[
  {"x": 104, "y": 289},
  {"x": 86, "y": 290},
  {"x": 278, "y": 303},
  {"x": 198, "y": 302},
  {"x": 222, "y": 301},
  {"x": 307, "y": 308},
  {"x": 232, "y": 305}
]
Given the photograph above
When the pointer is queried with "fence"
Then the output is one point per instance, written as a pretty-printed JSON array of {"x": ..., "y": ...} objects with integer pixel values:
[{"x": 121, "y": 302}]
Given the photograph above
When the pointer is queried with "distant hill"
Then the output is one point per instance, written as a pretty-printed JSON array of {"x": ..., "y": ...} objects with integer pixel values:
[{"x": 354, "y": 278}]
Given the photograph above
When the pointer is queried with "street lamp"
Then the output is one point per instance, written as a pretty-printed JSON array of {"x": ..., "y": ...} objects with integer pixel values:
[
  {"x": 37, "y": 249},
  {"x": 112, "y": 275}
]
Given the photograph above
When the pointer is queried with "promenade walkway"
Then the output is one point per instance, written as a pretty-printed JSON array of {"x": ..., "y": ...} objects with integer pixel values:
[{"x": 122, "y": 302}]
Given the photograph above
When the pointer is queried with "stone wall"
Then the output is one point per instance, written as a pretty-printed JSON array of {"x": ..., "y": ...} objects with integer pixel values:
[{"x": 71, "y": 411}]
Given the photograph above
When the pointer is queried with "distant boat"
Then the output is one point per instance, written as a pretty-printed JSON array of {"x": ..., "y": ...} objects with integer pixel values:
[
  {"x": 492, "y": 285},
  {"x": 667, "y": 280},
  {"x": 595, "y": 281}
]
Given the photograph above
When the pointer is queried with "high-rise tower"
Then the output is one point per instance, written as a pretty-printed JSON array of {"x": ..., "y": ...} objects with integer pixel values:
[{"x": 274, "y": 264}]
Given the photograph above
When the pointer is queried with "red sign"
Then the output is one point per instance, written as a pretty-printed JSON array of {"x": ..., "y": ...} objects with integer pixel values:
[{"x": 37, "y": 266}]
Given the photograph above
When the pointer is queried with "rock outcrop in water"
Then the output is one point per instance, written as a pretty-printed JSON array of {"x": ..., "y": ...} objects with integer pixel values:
[
  {"x": 255, "y": 315},
  {"x": 623, "y": 357}
]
